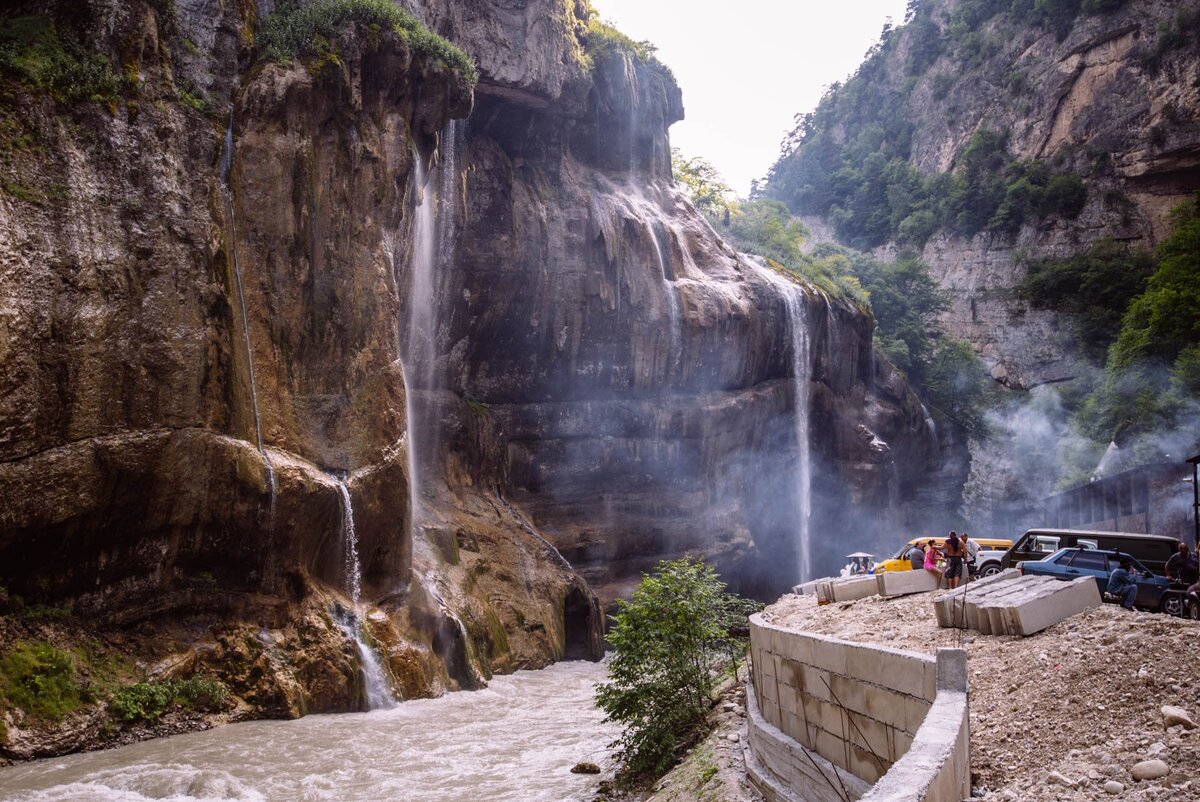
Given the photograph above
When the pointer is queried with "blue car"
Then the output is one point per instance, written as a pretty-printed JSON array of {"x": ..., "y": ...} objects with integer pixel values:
[{"x": 1073, "y": 563}]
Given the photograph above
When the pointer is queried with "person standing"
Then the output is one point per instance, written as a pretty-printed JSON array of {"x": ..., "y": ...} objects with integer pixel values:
[
  {"x": 972, "y": 556},
  {"x": 1182, "y": 567},
  {"x": 955, "y": 558}
]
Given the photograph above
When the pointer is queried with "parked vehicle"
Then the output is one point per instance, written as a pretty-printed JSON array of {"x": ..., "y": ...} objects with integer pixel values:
[
  {"x": 900, "y": 563},
  {"x": 1154, "y": 592},
  {"x": 988, "y": 561},
  {"x": 1193, "y": 606},
  {"x": 1151, "y": 550}
]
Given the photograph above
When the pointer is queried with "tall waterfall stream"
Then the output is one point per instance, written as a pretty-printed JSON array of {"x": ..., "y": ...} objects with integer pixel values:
[{"x": 515, "y": 740}]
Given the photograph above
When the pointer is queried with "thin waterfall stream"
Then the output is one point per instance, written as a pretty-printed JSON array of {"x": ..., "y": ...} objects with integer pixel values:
[
  {"x": 433, "y": 249},
  {"x": 226, "y": 173},
  {"x": 378, "y": 689},
  {"x": 795, "y": 304}
]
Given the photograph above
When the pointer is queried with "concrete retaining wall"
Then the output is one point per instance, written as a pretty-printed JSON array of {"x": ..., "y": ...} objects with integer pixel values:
[{"x": 829, "y": 718}]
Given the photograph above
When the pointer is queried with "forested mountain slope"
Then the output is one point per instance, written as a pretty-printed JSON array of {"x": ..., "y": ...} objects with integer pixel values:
[{"x": 985, "y": 134}]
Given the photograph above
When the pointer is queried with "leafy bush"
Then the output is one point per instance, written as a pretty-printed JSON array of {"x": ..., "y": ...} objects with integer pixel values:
[
  {"x": 35, "y": 53},
  {"x": 298, "y": 31},
  {"x": 147, "y": 701},
  {"x": 603, "y": 38},
  {"x": 1095, "y": 288},
  {"x": 667, "y": 642},
  {"x": 1152, "y": 374},
  {"x": 41, "y": 680}
]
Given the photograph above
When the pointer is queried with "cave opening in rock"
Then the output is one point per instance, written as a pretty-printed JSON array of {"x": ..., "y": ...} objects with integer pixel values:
[{"x": 577, "y": 622}]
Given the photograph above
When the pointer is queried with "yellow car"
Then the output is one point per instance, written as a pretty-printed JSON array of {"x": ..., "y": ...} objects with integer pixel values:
[{"x": 901, "y": 563}]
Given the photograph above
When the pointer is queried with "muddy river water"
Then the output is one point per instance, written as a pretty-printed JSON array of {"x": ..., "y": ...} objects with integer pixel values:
[{"x": 515, "y": 740}]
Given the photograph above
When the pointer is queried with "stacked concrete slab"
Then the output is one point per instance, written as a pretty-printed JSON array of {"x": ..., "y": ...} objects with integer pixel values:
[
  {"x": 901, "y": 583},
  {"x": 1010, "y": 604},
  {"x": 890, "y": 583}
]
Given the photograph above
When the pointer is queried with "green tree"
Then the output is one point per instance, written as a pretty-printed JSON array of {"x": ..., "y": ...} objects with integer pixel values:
[
  {"x": 1152, "y": 374},
  {"x": 702, "y": 182},
  {"x": 666, "y": 640},
  {"x": 1095, "y": 287}
]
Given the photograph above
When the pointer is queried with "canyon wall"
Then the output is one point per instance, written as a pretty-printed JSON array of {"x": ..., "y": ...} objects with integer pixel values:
[{"x": 208, "y": 309}]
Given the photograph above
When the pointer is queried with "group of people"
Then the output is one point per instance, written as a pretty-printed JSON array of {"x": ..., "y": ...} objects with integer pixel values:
[
  {"x": 1182, "y": 569},
  {"x": 956, "y": 552}
]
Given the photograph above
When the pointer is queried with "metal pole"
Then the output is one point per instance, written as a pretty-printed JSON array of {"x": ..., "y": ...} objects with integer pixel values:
[{"x": 1196, "y": 501}]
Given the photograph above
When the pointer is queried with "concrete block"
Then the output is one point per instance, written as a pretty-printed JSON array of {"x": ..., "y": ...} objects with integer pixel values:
[
  {"x": 848, "y": 692},
  {"x": 952, "y": 669},
  {"x": 886, "y": 706},
  {"x": 856, "y": 588},
  {"x": 829, "y": 655},
  {"x": 866, "y": 765},
  {"x": 899, "y": 583},
  {"x": 814, "y": 681},
  {"x": 915, "y": 710},
  {"x": 1046, "y": 610}
]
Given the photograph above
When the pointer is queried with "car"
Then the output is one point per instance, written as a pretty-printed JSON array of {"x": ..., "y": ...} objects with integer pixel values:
[
  {"x": 1151, "y": 550},
  {"x": 988, "y": 544},
  {"x": 988, "y": 561},
  {"x": 1154, "y": 592}
]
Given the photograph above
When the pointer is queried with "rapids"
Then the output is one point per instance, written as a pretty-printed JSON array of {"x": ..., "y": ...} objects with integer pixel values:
[{"x": 515, "y": 740}]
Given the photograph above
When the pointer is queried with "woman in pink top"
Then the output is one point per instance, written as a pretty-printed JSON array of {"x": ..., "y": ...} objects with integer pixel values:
[{"x": 932, "y": 555}]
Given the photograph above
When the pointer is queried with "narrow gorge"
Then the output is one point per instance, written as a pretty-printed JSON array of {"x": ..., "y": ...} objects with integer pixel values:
[{"x": 335, "y": 369}]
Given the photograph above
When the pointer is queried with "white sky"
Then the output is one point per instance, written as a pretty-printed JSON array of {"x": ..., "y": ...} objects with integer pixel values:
[{"x": 747, "y": 67}]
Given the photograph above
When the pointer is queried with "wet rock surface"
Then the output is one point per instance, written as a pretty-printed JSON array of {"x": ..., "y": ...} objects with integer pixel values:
[
  {"x": 1066, "y": 714},
  {"x": 196, "y": 356}
]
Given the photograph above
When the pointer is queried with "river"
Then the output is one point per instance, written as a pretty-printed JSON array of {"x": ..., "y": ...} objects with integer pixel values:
[{"x": 515, "y": 740}]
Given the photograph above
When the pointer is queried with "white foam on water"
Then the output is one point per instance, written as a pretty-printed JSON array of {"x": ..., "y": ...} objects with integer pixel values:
[{"x": 514, "y": 741}]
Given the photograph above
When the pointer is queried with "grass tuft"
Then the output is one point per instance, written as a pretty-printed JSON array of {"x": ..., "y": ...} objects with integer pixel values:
[{"x": 295, "y": 31}]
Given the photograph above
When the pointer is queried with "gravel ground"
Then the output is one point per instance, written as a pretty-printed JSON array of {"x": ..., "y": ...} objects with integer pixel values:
[{"x": 1058, "y": 715}]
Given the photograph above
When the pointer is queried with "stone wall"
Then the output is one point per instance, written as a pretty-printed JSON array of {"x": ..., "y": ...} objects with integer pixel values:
[{"x": 829, "y": 719}]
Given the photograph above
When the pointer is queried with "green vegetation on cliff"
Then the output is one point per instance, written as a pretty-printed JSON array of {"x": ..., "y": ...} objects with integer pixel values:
[
  {"x": 1151, "y": 378},
  {"x": 602, "y": 38},
  {"x": 902, "y": 296},
  {"x": 147, "y": 701},
  {"x": 41, "y": 680},
  {"x": 849, "y": 160},
  {"x": 38, "y": 55},
  {"x": 299, "y": 31},
  {"x": 666, "y": 640}
]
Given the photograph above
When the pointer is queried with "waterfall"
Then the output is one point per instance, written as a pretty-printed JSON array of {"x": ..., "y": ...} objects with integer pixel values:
[
  {"x": 794, "y": 302},
  {"x": 433, "y": 249},
  {"x": 379, "y": 693},
  {"x": 226, "y": 172},
  {"x": 930, "y": 424},
  {"x": 669, "y": 289}
]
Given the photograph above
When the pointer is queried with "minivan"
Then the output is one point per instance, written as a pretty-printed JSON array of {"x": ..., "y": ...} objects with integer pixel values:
[{"x": 1153, "y": 551}]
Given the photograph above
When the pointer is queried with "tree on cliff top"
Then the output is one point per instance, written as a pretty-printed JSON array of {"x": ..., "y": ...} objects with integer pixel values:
[{"x": 668, "y": 641}]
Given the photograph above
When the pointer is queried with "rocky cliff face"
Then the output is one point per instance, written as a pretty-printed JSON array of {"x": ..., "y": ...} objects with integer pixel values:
[
  {"x": 202, "y": 385},
  {"x": 1112, "y": 100},
  {"x": 615, "y": 370}
]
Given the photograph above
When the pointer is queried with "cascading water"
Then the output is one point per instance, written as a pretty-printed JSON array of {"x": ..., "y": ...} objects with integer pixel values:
[
  {"x": 379, "y": 693},
  {"x": 226, "y": 172},
  {"x": 795, "y": 304},
  {"x": 669, "y": 289},
  {"x": 433, "y": 247},
  {"x": 930, "y": 424}
]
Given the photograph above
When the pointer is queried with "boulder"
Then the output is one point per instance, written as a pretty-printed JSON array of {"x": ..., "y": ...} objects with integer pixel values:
[
  {"x": 1173, "y": 716},
  {"x": 1150, "y": 770}
]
